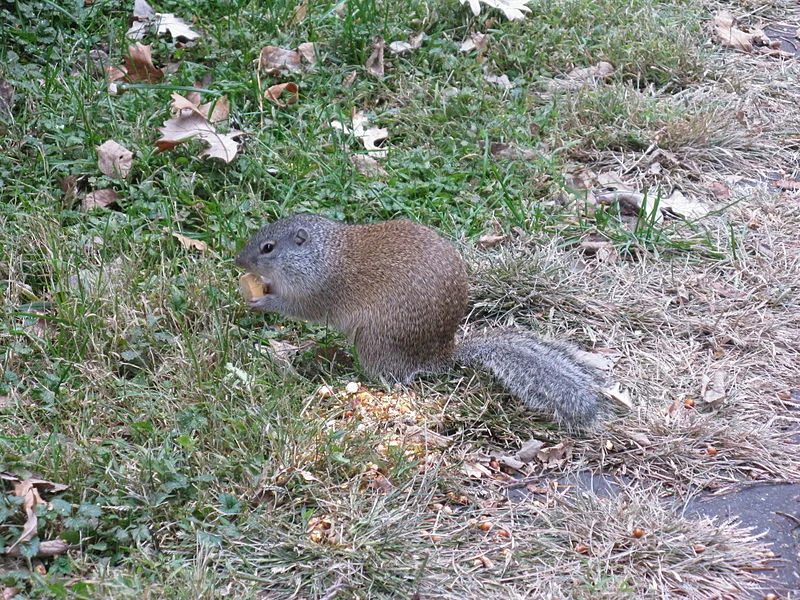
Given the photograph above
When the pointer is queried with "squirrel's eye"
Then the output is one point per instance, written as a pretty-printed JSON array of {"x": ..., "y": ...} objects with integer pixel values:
[{"x": 267, "y": 247}]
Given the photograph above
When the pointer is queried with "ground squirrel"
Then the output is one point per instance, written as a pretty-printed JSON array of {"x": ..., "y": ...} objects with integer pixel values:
[{"x": 399, "y": 291}]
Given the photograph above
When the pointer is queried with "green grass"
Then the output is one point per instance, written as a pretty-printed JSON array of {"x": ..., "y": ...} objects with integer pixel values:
[{"x": 119, "y": 348}]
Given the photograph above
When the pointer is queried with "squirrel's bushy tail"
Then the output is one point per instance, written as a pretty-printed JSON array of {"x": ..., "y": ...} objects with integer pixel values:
[{"x": 547, "y": 376}]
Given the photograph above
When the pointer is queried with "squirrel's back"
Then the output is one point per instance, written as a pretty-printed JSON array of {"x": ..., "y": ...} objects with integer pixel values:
[{"x": 408, "y": 293}]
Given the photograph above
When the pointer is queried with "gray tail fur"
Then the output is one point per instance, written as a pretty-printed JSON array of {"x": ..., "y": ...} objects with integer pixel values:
[{"x": 549, "y": 377}]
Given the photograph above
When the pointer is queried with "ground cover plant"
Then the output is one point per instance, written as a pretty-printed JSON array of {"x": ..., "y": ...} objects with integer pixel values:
[{"x": 617, "y": 173}]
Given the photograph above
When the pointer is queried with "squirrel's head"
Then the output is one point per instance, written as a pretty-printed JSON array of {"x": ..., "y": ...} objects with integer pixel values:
[{"x": 289, "y": 254}]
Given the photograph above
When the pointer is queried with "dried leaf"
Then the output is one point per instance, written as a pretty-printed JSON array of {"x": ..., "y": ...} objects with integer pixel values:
[
  {"x": 177, "y": 27},
  {"x": 114, "y": 160},
  {"x": 6, "y": 97},
  {"x": 47, "y": 549},
  {"x": 30, "y": 499},
  {"x": 490, "y": 240},
  {"x": 720, "y": 190},
  {"x": 138, "y": 66},
  {"x": 510, "y": 151},
  {"x": 298, "y": 14},
  {"x": 512, "y": 9},
  {"x": 713, "y": 389},
  {"x": 414, "y": 42},
  {"x": 349, "y": 79},
  {"x": 579, "y": 78},
  {"x": 732, "y": 37},
  {"x": 143, "y": 13},
  {"x": 500, "y": 80},
  {"x": 475, "y": 470},
  {"x": 191, "y": 123},
  {"x": 142, "y": 10},
  {"x": 529, "y": 451},
  {"x": 475, "y": 41},
  {"x": 399, "y": 47},
  {"x": 274, "y": 93},
  {"x": 620, "y": 396},
  {"x": 557, "y": 455},
  {"x": 99, "y": 199},
  {"x": 190, "y": 243},
  {"x": 221, "y": 110},
  {"x": 787, "y": 184},
  {"x": 678, "y": 204},
  {"x": 274, "y": 61},
  {"x": 307, "y": 51},
  {"x": 370, "y": 137},
  {"x": 367, "y": 165},
  {"x": 374, "y": 64}
]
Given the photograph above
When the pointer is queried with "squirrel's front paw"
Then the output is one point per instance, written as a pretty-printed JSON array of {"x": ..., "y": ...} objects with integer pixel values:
[{"x": 266, "y": 303}]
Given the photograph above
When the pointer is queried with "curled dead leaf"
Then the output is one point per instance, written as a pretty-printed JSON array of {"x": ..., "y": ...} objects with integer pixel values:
[
  {"x": 190, "y": 243},
  {"x": 374, "y": 65},
  {"x": 274, "y": 93},
  {"x": 490, "y": 240},
  {"x": 138, "y": 65},
  {"x": 555, "y": 456},
  {"x": 308, "y": 52},
  {"x": 114, "y": 160}
]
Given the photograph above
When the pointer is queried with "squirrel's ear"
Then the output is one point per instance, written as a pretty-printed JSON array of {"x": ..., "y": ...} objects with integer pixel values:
[{"x": 300, "y": 237}]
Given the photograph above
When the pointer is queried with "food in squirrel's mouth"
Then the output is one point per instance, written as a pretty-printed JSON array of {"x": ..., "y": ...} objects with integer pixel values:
[{"x": 252, "y": 287}]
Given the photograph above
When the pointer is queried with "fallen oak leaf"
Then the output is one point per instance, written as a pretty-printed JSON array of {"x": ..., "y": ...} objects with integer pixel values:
[
  {"x": 114, "y": 160},
  {"x": 142, "y": 10},
  {"x": 191, "y": 123},
  {"x": 177, "y": 27},
  {"x": 512, "y": 9},
  {"x": 221, "y": 107},
  {"x": 186, "y": 127}
]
